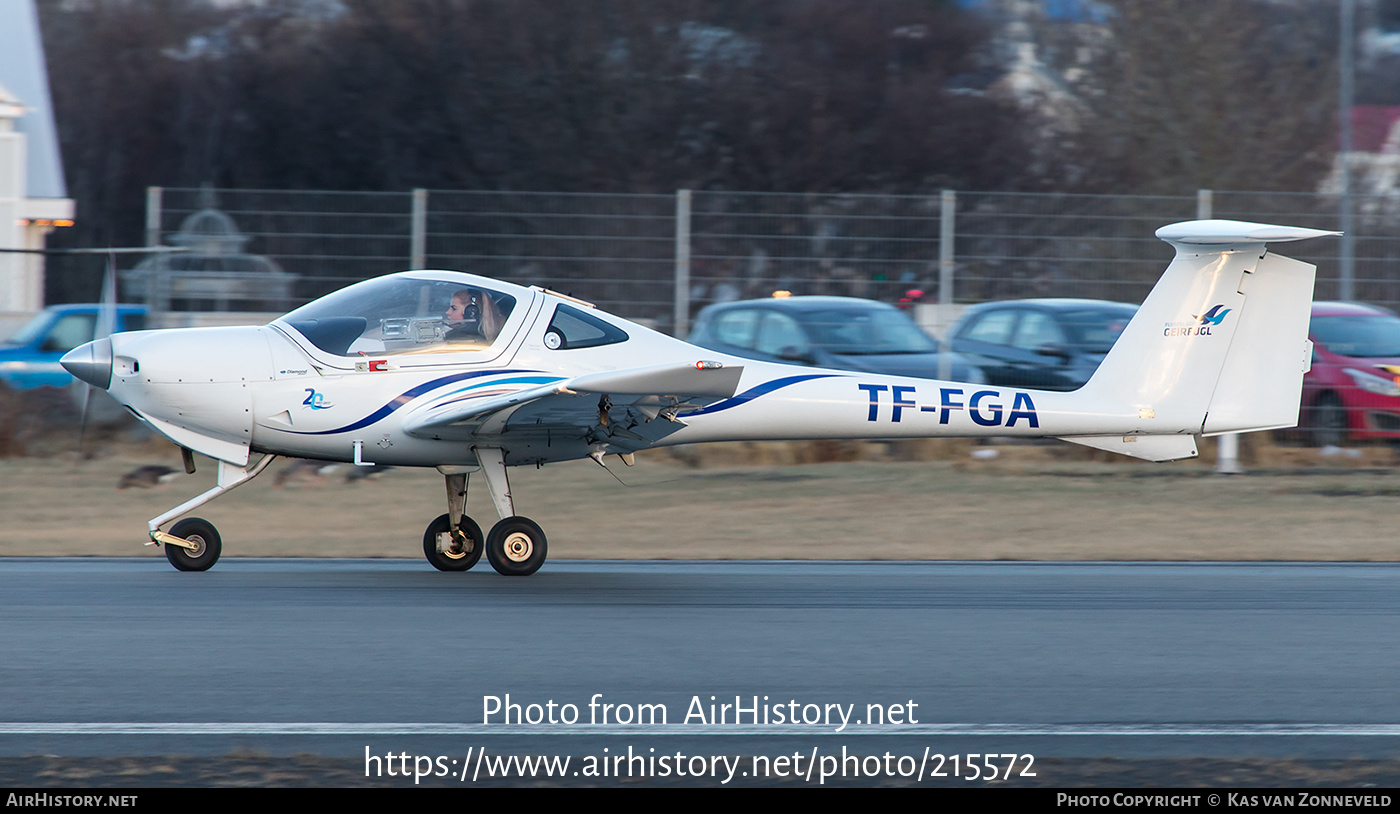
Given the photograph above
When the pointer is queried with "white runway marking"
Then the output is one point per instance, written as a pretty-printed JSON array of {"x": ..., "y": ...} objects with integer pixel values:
[{"x": 778, "y": 730}]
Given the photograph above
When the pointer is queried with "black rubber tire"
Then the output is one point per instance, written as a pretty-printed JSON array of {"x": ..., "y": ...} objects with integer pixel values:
[
  {"x": 516, "y": 547},
  {"x": 196, "y": 530},
  {"x": 447, "y": 562},
  {"x": 1327, "y": 424}
]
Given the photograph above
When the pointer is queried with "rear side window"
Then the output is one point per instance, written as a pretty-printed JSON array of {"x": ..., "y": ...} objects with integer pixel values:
[
  {"x": 575, "y": 328},
  {"x": 780, "y": 334},
  {"x": 1037, "y": 330},
  {"x": 1363, "y": 337},
  {"x": 993, "y": 328},
  {"x": 736, "y": 327}
]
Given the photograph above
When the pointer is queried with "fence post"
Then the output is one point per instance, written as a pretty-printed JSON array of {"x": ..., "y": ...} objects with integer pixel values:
[
  {"x": 1346, "y": 262},
  {"x": 682, "y": 312},
  {"x": 155, "y": 280},
  {"x": 418, "y": 231},
  {"x": 153, "y": 196},
  {"x": 1227, "y": 450},
  {"x": 948, "y": 205}
]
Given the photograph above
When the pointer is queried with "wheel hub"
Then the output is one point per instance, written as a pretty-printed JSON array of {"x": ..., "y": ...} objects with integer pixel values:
[
  {"x": 197, "y": 545},
  {"x": 518, "y": 547},
  {"x": 451, "y": 547}
]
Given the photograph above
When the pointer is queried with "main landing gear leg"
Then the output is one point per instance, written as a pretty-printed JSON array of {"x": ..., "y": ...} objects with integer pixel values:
[
  {"x": 516, "y": 545},
  {"x": 193, "y": 544},
  {"x": 453, "y": 542}
]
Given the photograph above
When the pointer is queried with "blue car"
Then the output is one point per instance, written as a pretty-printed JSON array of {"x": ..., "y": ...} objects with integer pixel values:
[
  {"x": 30, "y": 358},
  {"x": 843, "y": 333},
  {"x": 1042, "y": 344}
]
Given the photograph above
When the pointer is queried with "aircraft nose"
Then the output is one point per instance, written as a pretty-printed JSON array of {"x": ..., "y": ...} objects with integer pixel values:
[{"x": 91, "y": 362}]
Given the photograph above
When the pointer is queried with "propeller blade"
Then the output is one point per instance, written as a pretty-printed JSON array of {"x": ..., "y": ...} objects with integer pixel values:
[
  {"x": 106, "y": 325},
  {"x": 107, "y": 315},
  {"x": 83, "y": 420}
]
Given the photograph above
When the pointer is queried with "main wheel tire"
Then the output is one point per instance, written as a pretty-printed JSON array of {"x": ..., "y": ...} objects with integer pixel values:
[
  {"x": 1329, "y": 423},
  {"x": 516, "y": 547},
  {"x": 207, "y": 549},
  {"x": 447, "y": 561}
]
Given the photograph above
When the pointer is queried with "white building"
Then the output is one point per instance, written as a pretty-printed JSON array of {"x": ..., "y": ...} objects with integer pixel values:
[
  {"x": 33, "y": 196},
  {"x": 1374, "y": 161}
]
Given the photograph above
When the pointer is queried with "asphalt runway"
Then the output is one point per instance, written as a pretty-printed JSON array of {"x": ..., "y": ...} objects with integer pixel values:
[{"x": 111, "y": 657}]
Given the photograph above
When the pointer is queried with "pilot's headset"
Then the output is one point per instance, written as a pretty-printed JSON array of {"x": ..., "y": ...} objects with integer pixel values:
[{"x": 471, "y": 313}]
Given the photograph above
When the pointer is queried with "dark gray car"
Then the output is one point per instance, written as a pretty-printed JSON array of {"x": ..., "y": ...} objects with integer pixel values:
[
  {"x": 844, "y": 333},
  {"x": 1042, "y": 344}
]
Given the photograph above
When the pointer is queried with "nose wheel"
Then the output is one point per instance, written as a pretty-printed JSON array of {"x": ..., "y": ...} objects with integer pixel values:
[
  {"x": 204, "y": 538},
  {"x": 516, "y": 547},
  {"x": 193, "y": 544}
]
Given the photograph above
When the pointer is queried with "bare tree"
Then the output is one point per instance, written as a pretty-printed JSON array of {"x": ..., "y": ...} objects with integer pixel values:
[
  {"x": 612, "y": 95},
  {"x": 1225, "y": 94}
]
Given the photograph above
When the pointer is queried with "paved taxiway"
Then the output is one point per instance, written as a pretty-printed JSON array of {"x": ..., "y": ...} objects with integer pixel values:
[{"x": 106, "y": 657}]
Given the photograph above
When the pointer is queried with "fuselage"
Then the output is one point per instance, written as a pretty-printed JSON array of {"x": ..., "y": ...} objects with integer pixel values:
[{"x": 290, "y": 388}]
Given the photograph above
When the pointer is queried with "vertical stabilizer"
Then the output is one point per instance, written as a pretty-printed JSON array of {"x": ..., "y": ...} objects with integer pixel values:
[{"x": 1220, "y": 343}]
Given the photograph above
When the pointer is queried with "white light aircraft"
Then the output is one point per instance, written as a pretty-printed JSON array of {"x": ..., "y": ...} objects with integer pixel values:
[{"x": 470, "y": 375}]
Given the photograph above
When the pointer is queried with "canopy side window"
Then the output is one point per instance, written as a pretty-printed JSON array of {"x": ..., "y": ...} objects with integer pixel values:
[
  {"x": 476, "y": 316},
  {"x": 573, "y": 328},
  {"x": 397, "y": 314},
  {"x": 332, "y": 334}
]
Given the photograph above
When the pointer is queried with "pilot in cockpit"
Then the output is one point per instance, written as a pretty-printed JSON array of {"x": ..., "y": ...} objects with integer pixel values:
[{"x": 473, "y": 316}]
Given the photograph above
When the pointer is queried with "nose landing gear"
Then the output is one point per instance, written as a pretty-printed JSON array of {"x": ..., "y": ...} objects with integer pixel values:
[
  {"x": 193, "y": 544},
  {"x": 204, "y": 541}
]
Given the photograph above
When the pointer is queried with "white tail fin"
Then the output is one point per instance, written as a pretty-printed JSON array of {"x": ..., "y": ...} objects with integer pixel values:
[{"x": 1219, "y": 345}]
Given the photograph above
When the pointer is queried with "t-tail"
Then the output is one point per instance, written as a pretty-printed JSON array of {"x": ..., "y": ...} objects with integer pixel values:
[{"x": 1220, "y": 344}]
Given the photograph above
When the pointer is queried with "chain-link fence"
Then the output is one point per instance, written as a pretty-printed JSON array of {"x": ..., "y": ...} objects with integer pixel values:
[
  {"x": 616, "y": 251},
  {"x": 659, "y": 258}
]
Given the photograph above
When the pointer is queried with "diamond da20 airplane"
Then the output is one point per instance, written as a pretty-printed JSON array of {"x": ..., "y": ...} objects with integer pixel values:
[{"x": 471, "y": 375}]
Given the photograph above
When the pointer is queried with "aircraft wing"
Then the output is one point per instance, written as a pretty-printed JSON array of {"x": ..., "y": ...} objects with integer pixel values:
[{"x": 607, "y": 399}]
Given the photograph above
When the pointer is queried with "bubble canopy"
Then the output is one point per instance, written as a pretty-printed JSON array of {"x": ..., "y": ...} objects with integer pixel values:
[{"x": 412, "y": 312}]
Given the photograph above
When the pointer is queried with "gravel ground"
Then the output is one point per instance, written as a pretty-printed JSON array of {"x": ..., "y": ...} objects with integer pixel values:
[{"x": 1025, "y": 504}]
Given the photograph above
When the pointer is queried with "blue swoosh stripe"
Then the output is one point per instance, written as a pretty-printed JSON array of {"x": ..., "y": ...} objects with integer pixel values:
[
  {"x": 516, "y": 380},
  {"x": 760, "y": 390},
  {"x": 407, "y": 396}
]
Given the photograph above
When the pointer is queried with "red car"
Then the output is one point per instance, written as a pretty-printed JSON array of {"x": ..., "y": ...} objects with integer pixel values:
[{"x": 1352, "y": 392}]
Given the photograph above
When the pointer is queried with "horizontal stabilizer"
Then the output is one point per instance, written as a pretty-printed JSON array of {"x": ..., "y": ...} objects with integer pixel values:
[
  {"x": 1147, "y": 447},
  {"x": 1234, "y": 232}
]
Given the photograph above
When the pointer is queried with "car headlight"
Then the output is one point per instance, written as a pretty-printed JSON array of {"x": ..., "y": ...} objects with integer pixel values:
[{"x": 1372, "y": 383}]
